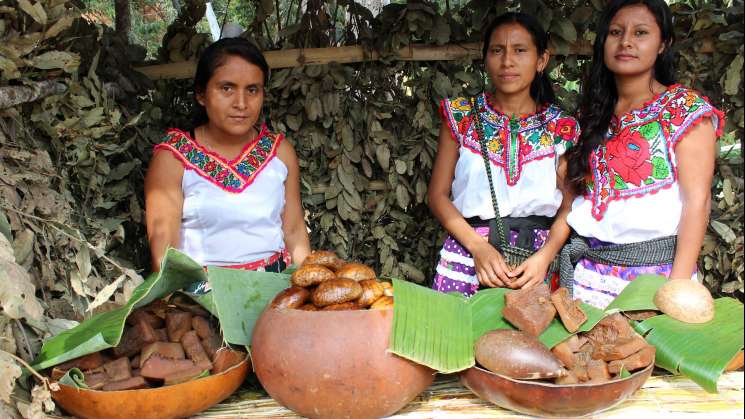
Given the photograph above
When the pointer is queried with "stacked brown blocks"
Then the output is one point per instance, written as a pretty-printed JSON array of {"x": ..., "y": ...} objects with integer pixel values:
[
  {"x": 162, "y": 344},
  {"x": 597, "y": 356},
  {"x": 325, "y": 282}
]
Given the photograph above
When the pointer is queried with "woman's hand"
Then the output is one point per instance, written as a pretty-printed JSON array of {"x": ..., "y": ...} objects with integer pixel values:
[
  {"x": 531, "y": 272},
  {"x": 491, "y": 269}
]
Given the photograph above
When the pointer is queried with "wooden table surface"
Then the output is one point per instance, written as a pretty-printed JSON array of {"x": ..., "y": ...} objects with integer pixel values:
[{"x": 661, "y": 397}]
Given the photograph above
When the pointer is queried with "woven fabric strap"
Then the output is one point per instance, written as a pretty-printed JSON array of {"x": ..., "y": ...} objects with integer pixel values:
[{"x": 647, "y": 253}]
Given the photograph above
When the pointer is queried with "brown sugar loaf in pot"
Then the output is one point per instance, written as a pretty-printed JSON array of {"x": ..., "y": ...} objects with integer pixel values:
[
  {"x": 324, "y": 258},
  {"x": 293, "y": 297},
  {"x": 356, "y": 272},
  {"x": 371, "y": 291},
  {"x": 336, "y": 291},
  {"x": 309, "y": 275}
]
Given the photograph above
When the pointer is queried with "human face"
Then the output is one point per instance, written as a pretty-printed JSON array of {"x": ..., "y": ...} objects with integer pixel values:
[
  {"x": 634, "y": 41},
  {"x": 233, "y": 97},
  {"x": 512, "y": 59}
]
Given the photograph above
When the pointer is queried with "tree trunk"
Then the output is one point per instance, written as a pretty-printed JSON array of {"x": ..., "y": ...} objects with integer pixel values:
[{"x": 123, "y": 18}]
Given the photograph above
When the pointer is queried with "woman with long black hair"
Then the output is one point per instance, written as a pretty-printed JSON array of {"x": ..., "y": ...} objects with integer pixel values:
[
  {"x": 500, "y": 157},
  {"x": 644, "y": 162}
]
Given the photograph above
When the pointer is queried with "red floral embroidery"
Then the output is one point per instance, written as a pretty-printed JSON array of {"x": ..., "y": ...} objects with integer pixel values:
[
  {"x": 566, "y": 128},
  {"x": 222, "y": 175},
  {"x": 628, "y": 156},
  {"x": 185, "y": 148},
  {"x": 210, "y": 166},
  {"x": 464, "y": 124},
  {"x": 253, "y": 161}
]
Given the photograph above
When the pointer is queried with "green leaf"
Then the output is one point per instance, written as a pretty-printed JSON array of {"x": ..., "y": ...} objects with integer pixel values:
[
  {"x": 659, "y": 168},
  {"x": 638, "y": 294},
  {"x": 620, "y": 184},
  {"x": 698, "y": 351},
  {"x": 733, "y": 77},
  {"x": 104, "y": 330},
  {"x": 57, "y": 59},
  {"x": 36, "y": 10},
  {"x": 565, "y": 29},
  {"x": 431, "y": 328},
  {"x": 555, "y": 333},
  {"x": 240, "y": 296}
]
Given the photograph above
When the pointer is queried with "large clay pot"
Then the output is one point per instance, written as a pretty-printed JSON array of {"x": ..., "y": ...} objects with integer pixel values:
[
  {"x": 551, "y": 400},
  {"x": 155, "y": 403},
  {"x": 334, "y": 364}
]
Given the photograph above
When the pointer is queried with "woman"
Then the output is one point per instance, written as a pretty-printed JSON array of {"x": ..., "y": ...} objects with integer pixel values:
[
  {"x": 644, "y": 163},
  {"x": 526, "y": 136},
  {"x": 227, "y": 193}
]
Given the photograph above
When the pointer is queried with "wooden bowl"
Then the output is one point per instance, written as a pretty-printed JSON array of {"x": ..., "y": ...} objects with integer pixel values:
[
  {"x": 174, "y": 401},
  {"x": 551, "y": 400},
  {"x": 334, "y": 364}
]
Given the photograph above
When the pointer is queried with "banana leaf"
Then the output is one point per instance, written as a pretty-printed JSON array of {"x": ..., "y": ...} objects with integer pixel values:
[
  {"x": 240, "y": 296},
  {"x": 698, "y": 351},
  {"x": 104, "y": 330},
  {"x": 439, "y": 330},
  {"x": 638, "y": 295}
]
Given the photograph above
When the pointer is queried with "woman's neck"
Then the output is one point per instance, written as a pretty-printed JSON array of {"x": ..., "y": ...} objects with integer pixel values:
[
  {"x": 516, "y": 104},
  {"x": 634, "y": 91},
  {"x": 218, "y": 138}
]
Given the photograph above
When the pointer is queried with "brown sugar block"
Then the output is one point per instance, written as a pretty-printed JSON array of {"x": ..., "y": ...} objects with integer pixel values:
[
  {"x": 336, "y": 291},
  {"x": 570, "y": 312},
  {"x": 170, "y": 350},
  {"x": 309, "y": 307},
  {"x": 356, "y": 272},
  {"x": 132, "y": 383},
  {"x": 161, "y": 335},
  {"x": 610, "y": 329},
  {"x": 159, "y": 368},
  {"x": 324, "y": 258},
  {"x": 563, "y": 352},
  {"x": 580, "y": 371},
  {"x": 598, "y": 371},
  {"x": 641, "y": 359},
  {"x": 86, "y": 362},
  {"x": 211, "y": 345},
  {"x": 134, "y": 362},
  {"x": 575, "y": 342},
  {"x": 309, "y": 275},
  {"x": 142, "y": 314},
  {"x": 641, "y": 315},
  {"x": 383, "y": 303},
  {"x": 293, "y": 297},
  {"x": 118, "y": 369},
  {"x": 371, "y": 291},
  {"x": 569, "y": 378},
  {"x": 134, "y": 339},
  {"x": 202, "y": 326},
  {"x": 183, "y": 376},
  {"x": 349, "y": 305},
  {"x": 529, "y": 309},
  {"x": 177, "y": 323},
  {"x": 96, "y": 379},
  {"x": 195, "y": 350},
  {"x": 620, "y": 349},
  {"x": 225, "y": 359}
]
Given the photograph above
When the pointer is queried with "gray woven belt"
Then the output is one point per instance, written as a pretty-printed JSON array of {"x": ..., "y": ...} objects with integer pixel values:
[{"x": 647, "y": 253}]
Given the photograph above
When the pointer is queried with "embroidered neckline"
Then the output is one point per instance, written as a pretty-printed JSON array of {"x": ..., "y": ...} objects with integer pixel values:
[
  {"x": 214, "y": 154},
  {"x": 230, "y": 175},
  {"x": 645, "y": 106},
  {"x": 540, "y": 112}
]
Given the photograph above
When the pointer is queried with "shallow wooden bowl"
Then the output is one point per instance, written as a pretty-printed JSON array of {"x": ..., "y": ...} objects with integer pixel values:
[
  {"x": 174, "y": 401},
  {"x": 551, "y": 400},
  {"x": 334, "y": 364}
]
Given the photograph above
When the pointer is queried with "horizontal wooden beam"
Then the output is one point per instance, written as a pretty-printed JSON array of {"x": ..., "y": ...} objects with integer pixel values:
[{"x": 353, "y": 54}]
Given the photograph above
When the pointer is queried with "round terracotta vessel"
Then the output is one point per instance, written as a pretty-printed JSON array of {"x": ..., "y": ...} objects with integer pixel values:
[
  {"x": 163, "y": 402},
  {"x": 551, "y": 400},
  {"x": 334, "y": 364}
]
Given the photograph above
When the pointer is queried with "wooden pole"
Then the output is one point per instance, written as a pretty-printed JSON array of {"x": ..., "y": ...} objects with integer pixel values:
[{"x": 354, "y": 54}]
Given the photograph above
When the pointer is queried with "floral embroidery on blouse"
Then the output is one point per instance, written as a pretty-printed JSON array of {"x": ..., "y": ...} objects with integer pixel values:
[
  {"x": 232, "y": 176},
  {"x": 638, "y": 157},
  {"x": 511, "y": 142}
]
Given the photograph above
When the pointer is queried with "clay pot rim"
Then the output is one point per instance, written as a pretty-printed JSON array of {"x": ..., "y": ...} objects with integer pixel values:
[
  {"x": 238, "y": 365},
  {"x": 552, "y": 385}
]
